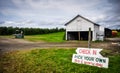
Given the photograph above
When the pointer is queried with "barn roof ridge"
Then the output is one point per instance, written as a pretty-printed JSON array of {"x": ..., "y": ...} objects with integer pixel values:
[{"x": 83, "y": 18}]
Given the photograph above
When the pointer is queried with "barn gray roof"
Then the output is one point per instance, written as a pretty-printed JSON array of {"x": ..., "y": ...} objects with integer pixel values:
[{"x": 83, "y": 18}]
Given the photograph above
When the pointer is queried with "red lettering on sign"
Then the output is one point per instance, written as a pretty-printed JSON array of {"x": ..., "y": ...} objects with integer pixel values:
[
  {"x": 94, "y": 52},
  {"x": 99, "y": 65},
  {"x": 84, "y": 51},
  {"x": 78, "y": 61},
  {"x": 88, "y": 63}
]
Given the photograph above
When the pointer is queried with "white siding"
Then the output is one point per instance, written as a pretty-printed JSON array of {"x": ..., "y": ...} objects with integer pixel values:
[
  {"x": 79, "y": 24},
  {"x": 96, "y": 30},
  {"x": 101, "y": 33},
  {"x": 102, "y": 29}
]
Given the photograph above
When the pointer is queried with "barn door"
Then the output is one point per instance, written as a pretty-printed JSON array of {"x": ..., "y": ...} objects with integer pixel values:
[{"x": 84, "y": 35}]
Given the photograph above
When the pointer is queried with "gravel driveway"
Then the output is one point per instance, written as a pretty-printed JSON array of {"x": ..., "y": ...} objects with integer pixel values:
[{"x": 7, "y": 44}]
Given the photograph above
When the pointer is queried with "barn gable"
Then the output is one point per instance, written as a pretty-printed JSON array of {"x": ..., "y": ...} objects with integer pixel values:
[
  {"x": 82, "y": 18},
  {"x": 78, "y": 27}
]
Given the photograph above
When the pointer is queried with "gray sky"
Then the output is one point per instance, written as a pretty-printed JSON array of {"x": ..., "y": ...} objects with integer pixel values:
[{"x": 55, "y": 13}]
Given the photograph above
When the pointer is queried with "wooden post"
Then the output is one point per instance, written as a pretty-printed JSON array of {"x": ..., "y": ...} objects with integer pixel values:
[
  {"x": 78, "y": 35},
  {"x": 66, "y": 37},
  {"x": 89, "y": 38}
]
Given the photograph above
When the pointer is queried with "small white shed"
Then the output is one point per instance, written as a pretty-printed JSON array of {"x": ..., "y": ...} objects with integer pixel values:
[{"x": 78, "y": 28}]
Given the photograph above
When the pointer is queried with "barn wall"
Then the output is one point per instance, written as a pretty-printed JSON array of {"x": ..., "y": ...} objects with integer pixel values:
[
  {"x": 101, "y": 33},
  {"x": 96, "y": 30},
  {"x": 79, "y": 24}
]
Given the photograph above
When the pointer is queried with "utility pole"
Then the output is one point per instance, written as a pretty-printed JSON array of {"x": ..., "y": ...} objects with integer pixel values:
[{"x": 89, "y": 38}]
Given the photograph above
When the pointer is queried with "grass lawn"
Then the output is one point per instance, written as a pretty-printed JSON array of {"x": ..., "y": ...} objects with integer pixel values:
[
  {"x": 6, "y": 36},
  {"x": 52, "y": 60},
  {"x": 52, "y": 37},
  {"x": 118, "y": 34}
]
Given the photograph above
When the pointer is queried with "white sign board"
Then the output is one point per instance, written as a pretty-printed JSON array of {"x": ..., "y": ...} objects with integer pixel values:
[{"x": 90, "y": 57}]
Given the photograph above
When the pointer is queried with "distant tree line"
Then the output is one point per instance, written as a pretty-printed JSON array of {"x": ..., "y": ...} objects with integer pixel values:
[{"x": 29, "y": 31}]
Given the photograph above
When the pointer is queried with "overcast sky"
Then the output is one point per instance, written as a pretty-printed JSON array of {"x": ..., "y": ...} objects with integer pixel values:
[{"x": 55, "y": 13}]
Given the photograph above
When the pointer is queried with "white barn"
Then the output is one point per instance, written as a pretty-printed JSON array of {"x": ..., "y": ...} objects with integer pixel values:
[{"x": 78, "y": 27}]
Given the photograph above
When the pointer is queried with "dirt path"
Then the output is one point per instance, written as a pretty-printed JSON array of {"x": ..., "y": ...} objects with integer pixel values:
[{"x": 7, "y": 44}]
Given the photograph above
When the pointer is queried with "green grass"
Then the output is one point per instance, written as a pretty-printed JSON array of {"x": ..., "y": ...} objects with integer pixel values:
[
  {"x": 118, "y": 34},
  {"x": 52, "y": 37},
  {"x": 6, "y": 36},
  {"x": 51, "y": 60}
]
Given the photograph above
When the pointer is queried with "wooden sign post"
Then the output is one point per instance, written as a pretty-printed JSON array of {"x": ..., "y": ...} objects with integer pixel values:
[{"x": 89, "y": 38}]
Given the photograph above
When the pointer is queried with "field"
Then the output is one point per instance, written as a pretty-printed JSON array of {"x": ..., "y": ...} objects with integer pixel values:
[
  {"x": 52, "y": 37},
  {"x": 53, "y": 60},
  {"x": 47, "y": 54},
  {"x": 118, "y": 34}
]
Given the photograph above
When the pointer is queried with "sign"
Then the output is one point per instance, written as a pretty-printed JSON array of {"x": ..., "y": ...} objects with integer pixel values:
[{"x": 90, "y": 57}]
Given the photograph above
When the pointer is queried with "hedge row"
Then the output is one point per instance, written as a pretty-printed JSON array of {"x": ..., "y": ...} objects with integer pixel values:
[{"x": 28, "y": 31}]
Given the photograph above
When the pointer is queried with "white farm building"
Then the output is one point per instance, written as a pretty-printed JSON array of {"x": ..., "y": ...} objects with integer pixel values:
[{"x": 78, "y": 28}]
